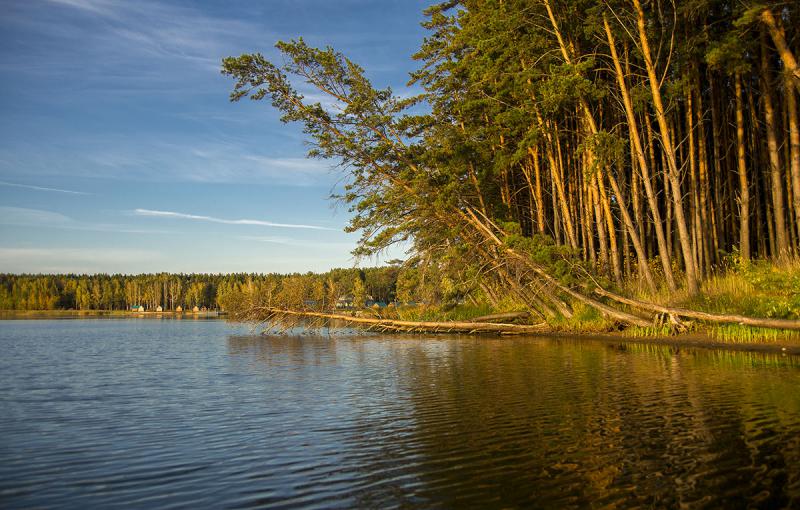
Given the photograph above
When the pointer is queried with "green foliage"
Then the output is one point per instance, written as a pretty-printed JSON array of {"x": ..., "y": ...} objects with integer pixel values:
[
  {"x": 607, "y": 149},
  {"x": 440, "y": 313},
  {"x": 560, "y": 260}
]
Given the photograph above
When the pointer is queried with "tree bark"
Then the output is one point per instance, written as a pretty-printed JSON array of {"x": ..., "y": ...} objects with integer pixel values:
[
  {"x": 779, "y": 38},
  {"x": 794, "y": 149},
  {"x": 744, "y": 189},
  {"x": 704, "y": 316},
  {"x": 268, "y": 314},
  {"x": 781, "y": 242},
  {"x": 692, "y": 280},
  {"x": 633, "y": 129}
]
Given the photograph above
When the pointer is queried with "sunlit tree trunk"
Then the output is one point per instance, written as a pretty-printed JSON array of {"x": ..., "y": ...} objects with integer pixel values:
[
  {"x": 638, "y": 150},
  {"x": 779, "y": 38},
  {"x": 744, "y": 190},
  {"x": 669, "y": 151},
  {"x": 781, "y": 242},
  {"x": 794, "y": 148}
]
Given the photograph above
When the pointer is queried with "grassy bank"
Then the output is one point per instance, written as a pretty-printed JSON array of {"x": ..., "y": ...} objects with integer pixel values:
[{"x": 768, "y": 289}]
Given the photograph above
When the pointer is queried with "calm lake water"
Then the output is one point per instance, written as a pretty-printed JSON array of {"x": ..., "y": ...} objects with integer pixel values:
[{"x": 186, "y": 413}]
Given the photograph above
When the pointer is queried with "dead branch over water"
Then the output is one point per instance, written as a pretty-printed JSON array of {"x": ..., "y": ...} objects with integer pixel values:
[{"x": 286, "y": 319}]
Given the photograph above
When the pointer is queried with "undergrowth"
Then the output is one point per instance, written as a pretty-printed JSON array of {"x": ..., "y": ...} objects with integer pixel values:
[
  {"x": 763, "y": 288},
  {"x": 769, "y": 289}
]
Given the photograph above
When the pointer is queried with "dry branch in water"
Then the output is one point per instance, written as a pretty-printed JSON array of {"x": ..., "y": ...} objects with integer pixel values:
[{"x": 278, "y": 317}]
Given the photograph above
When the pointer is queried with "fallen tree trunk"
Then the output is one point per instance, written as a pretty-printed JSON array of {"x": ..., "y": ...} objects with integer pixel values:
[
  {"x": 501, "y": 317},
  {"x": 485, "y": 230},
  {"x": 703, "y": 316},
  {"x": 270, "y": 314}
]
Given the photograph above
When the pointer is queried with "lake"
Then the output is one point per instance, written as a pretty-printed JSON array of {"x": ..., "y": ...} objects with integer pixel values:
[{"x": 103, "y": 413}]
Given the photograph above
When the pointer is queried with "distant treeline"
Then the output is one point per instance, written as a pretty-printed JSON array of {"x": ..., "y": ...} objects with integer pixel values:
[{"x": 214, "y": 291}]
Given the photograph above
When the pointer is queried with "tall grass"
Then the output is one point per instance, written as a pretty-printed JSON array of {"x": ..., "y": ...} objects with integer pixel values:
[
  {"x": 649, "y": 332},
  {"x": 764, "y": 288},
  {"x": 738, "y": 334},
  {"x": 585, "y": 319}
]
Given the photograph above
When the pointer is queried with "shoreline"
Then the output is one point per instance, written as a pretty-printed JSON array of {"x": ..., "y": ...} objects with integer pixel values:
[
  {"x": 22, "y": 314},
  {"x": 693, "y": 340}
]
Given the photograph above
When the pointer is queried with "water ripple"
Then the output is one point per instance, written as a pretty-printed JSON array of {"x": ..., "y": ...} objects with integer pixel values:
[{"x": 172, "y": 414}]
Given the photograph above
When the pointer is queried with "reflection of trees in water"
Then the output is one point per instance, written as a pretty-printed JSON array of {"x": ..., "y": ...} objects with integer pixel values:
[
  {"x": 284, "y": 350},
  {"x": 508, "y": 422},
  {"x": 563, "y": 422}
]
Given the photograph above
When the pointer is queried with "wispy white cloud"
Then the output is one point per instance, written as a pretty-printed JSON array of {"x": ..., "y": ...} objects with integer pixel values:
[
  {"x": 298, "y": 166},
  {"x": 32, "y": 217},
  {"x": 286, "y": 241},
  {"x": 102, "y": 7},
  {"x": 23, "y": 216},
  {"x": 161, "y": 30},
  {"x": 42, "y": 188},
  {"x": 147, "y": 158},
  {"x": 127, "y": 47},
  {"x": 198, "y": 217},
  {"x": 72, "y": 260}
]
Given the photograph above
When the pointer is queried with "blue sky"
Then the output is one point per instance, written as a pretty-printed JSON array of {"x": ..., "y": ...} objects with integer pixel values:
[{"x": 120, "y": 152}]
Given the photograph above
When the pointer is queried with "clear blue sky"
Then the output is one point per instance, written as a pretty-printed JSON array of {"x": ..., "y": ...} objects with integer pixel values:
[{"x": 119, "y": 150}]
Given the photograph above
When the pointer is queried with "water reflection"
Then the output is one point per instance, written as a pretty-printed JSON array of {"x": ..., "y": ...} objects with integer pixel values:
[
  {"x": 546, "y": 422},
  {"x": 100, "y": 414},
  {"x": 283, "y": 350}
]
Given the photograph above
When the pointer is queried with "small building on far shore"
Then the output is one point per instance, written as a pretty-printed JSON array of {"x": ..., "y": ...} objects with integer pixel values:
[
  {"x": 344, "y": 302},
  {"x": 159, "y": 308},
  {"x": 179, "y": 309},
  {"x": 137, "y": 308},
  {"x": 196, "y": 309}
]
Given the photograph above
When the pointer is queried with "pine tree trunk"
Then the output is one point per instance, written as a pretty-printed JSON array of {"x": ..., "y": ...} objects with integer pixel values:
[
  {"x": 692, "y": 280},
  {"x": 644, "y": 269},
  {"x": 744, "y": 190},
  {"x": 794, "y": 149},
  {"x": 715, "y": 206},
  {"x": 694, "y": 201},
  {"x": 779, "y": 38},
  {"x": 633, "y": 129},
  {"x": 781, "y": 242}
]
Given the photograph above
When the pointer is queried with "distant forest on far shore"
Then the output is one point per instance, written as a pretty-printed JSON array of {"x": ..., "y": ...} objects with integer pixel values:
[{"x": 214, "y": 291}]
